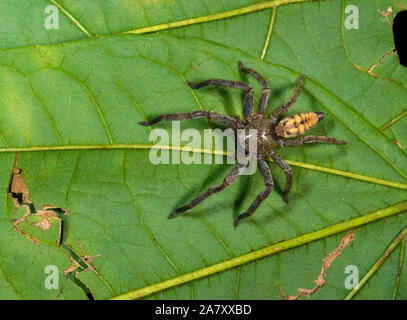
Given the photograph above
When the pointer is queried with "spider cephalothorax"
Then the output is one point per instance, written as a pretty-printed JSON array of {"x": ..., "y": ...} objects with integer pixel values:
[{"x": 271, "y": 133}]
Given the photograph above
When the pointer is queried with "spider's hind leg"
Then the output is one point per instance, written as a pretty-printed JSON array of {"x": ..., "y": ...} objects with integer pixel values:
[
  {"x": 232, "y": 176},
  {"x": 310, "y": 139},
  {"x": 211, "y": 115},
  {"x": 287, "y": 171},
  {"x": 265, "y": 92},
  {"x": 249, "y": 97},
  {"x": 268, "y": 181}
]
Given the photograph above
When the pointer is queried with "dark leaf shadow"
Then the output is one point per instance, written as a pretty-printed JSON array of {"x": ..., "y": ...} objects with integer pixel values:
[{"x": 216, "y": 177}]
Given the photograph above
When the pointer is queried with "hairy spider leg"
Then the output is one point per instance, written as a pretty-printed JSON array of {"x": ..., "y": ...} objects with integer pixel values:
[
  {"x": 268, "y": 181},
  {"x": 232, "y": 176},
  {"x": 265, "y": 92},
  {"x": 276, "y": 113},
  {"x": 214, "y": 116},
  {"x": 287, "y": 171},
  {"x": 249, "y": 96},
  {"x": 310, "y": 139}
]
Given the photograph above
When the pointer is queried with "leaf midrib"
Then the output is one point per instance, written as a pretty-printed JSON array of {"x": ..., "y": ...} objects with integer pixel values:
[{"x": 345, "y": 174}]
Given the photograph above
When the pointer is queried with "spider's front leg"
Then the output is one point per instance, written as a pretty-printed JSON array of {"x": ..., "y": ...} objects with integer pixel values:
[
  {"x": 268, "y": 181},
  {"x": 265, "y": 92},
  {"x": 232, "y": 176},
  {"x": 287, "y": 171},
  {"x": 249, "y": 97},
  {"x": 214, "y": 116}
]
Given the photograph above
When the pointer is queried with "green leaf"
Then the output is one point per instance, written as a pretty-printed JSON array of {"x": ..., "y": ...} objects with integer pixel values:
[{"x": 70, "y": 102}]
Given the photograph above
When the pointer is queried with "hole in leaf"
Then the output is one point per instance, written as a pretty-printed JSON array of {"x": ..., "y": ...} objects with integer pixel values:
[{"x": 400, "y": 36}]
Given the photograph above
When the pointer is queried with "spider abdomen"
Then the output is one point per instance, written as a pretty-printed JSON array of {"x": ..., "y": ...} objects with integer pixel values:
[{"x": 298, "y": 123}]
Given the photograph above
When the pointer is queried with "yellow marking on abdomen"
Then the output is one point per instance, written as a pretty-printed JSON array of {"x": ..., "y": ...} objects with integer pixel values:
[{"x": 297, "y": 124}]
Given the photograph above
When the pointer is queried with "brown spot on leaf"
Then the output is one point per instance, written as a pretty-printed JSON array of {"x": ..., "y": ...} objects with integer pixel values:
[
  {"x": 326, "y": 264},
  {"x": 370, "y": 71},
  {"x": 398, "y": 143},
  {"x": 18, "y": 188},
  {"x": 388, "y": 15},
  {"x": 45, "y": 224}
]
